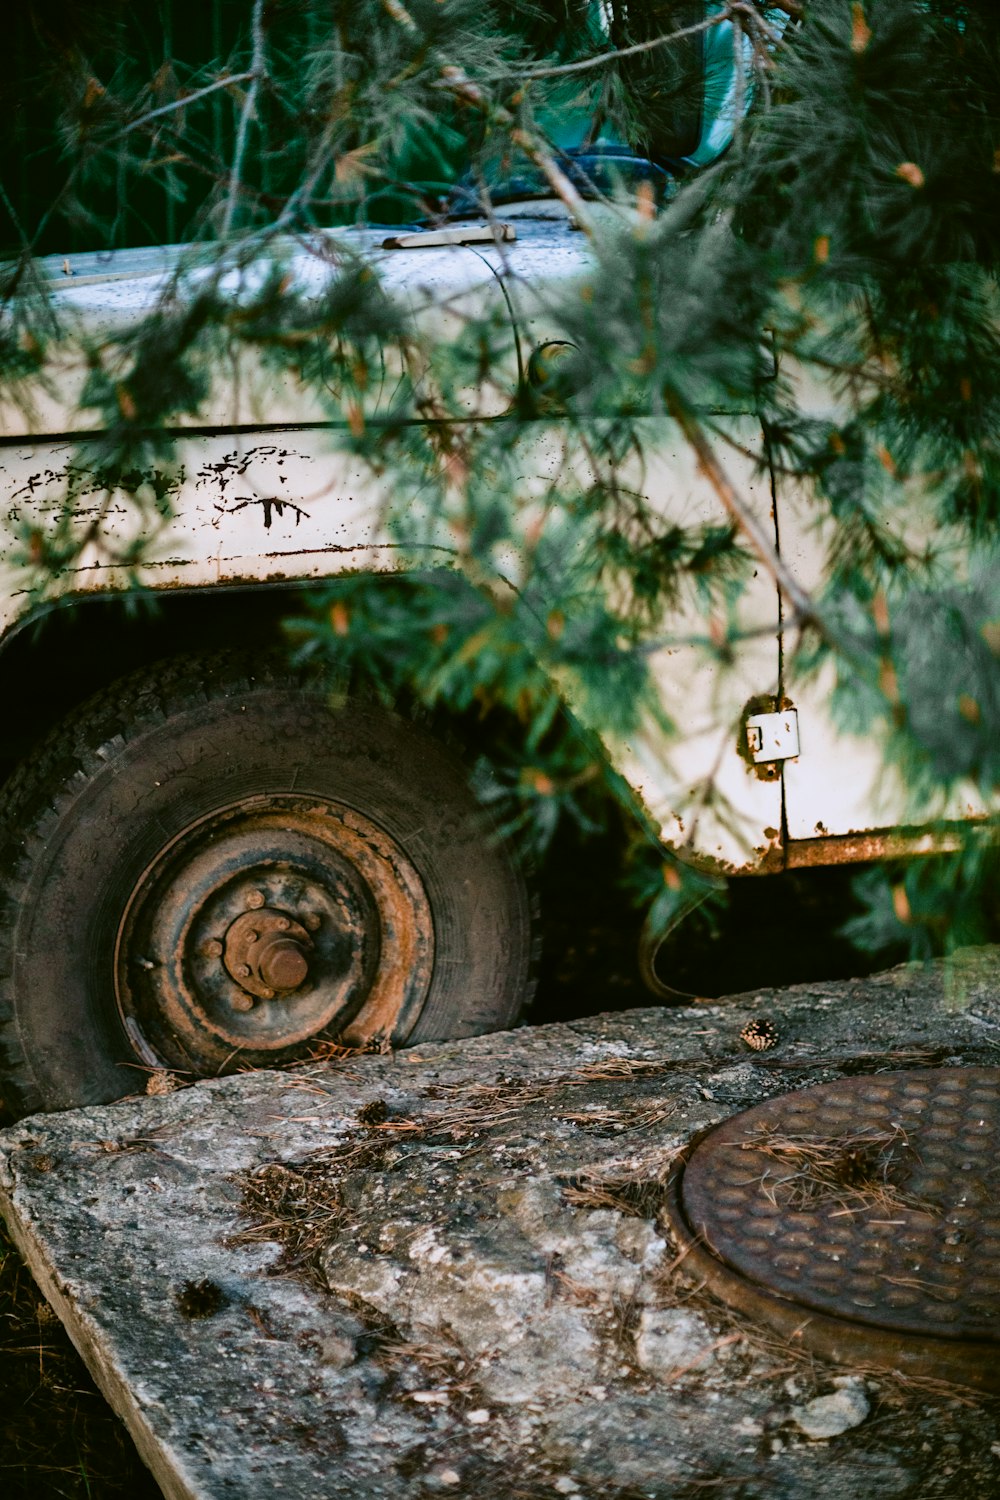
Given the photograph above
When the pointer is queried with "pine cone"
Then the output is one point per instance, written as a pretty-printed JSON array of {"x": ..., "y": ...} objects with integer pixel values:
[
  {"x": 759, "y": 1034},
  {"x": 162, "y": 1081}
]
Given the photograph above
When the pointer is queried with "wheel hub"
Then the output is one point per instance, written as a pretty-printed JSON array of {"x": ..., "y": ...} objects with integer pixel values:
[
  {"x": 267, "y": 952},
  {"x": 271, "y": 922}
]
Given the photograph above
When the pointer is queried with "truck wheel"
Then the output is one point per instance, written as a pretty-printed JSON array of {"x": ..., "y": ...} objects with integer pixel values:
[{"x": 210, "y": 869}]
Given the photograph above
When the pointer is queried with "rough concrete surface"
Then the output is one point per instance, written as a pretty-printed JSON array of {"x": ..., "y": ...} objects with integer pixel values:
[{"x": 444, "y": 1272}]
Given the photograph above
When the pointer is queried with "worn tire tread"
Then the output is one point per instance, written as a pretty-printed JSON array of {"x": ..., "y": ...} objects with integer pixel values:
[
  {"x": 41, "y": 787},
  {"x": 32, "y": 795}
]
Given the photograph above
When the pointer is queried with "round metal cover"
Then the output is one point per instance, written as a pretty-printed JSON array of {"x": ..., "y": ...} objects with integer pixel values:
[{"x": 864, "y": 1215}]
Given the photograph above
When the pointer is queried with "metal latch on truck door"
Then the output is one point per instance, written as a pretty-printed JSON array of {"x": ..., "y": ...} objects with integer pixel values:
[{"x": 773, "y": 736}]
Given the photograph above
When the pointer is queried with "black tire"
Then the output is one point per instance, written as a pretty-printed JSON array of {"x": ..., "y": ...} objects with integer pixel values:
[{"x": 203, "y": 831}]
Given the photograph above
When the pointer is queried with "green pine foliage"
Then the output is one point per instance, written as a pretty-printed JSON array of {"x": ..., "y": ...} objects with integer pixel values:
[{"x": 848, "y": 240}]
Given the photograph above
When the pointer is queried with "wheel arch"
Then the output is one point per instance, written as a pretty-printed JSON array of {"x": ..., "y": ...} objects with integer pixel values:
[{"x": 57, "y": 656}]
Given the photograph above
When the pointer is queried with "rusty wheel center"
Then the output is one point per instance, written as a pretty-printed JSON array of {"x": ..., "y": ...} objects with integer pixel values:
[
  {"x": 271, "y": 922},
  {"x": 267, "y": 952}
]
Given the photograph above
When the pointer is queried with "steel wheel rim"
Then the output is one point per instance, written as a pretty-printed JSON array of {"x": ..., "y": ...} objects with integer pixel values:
[{"x": 269, "y": 924}]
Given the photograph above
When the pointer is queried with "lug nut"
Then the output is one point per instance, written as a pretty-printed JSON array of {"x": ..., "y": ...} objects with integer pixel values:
[
  {"x": 252, "y": 937},
  {"x": 243, "y": 970},
  {"x": 242, "y": 1002},
  {"x": 214, "y": 948},
  {"x": 255, "y": 900},
  {"x": 282, "y": 924},
  {"x": 268, "y": 994}
]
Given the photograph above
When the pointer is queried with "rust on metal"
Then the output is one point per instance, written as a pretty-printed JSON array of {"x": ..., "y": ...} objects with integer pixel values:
[
  {"x": 760, "y": 703},
  {"x": 860, "y": 1217},
  {"x": 267, "y": 952},
  {"x": 269, "y": 923},
  {"x": 879, "y": 843}
]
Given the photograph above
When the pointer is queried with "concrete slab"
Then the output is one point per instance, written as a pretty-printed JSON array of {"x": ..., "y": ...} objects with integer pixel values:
[{"x": 442, "y": 1273}]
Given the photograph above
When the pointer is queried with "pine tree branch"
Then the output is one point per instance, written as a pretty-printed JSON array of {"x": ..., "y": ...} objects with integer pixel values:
[
  {"x": 739, "y": 77},
  {"x": 15, "y": 220},
  {"x": 401, "y": 16},
  {"x": 707, "y": 642},
  {"x": 457, "y": 82},
  {"x": 754, "y": 21},
  {"x": 732, "y": 7},
  {"x": 586, "y": 64},
  {"x": 554, "y": 176},
  {"x": 302, "y": 197},
  {"x": 175, "y": 104},
  {"x": 257, "y": 72},
  {"x": 745, "y": 519}
]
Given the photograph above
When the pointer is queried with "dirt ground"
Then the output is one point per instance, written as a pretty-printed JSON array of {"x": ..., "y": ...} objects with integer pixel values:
[{"x": 58, "y": 1436}]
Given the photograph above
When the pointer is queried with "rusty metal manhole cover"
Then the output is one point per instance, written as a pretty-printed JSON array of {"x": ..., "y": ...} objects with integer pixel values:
[{"x": 862, "y": 1216}]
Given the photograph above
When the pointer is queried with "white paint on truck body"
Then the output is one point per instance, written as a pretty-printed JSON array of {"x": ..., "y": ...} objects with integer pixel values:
[
  {"x": 269, "y": 495},
  {"x": 842, "y": 785}
]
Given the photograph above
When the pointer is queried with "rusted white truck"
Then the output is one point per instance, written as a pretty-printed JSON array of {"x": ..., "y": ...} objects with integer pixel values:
[{"x": 204, "y": 865}]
